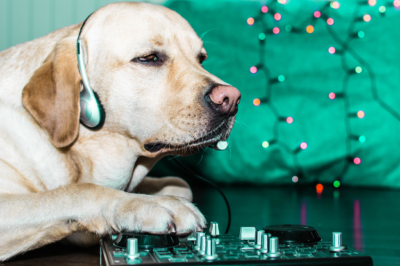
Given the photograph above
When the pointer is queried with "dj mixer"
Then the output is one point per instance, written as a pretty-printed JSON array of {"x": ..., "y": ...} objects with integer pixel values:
[{"x": 272, "y": 245}]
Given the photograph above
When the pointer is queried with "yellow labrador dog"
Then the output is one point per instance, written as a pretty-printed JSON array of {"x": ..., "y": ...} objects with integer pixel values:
[{"x": 59, "y": 178}]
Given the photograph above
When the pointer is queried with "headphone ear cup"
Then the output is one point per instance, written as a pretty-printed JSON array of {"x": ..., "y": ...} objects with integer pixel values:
[{"x": 102, "y": 112}]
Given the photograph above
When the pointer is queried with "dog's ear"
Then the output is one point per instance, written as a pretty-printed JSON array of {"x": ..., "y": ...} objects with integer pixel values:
[{"x": 52, "y": 95}]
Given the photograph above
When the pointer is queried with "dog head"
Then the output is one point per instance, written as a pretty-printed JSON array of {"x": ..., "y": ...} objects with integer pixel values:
[{"x": 145, "y": 63}]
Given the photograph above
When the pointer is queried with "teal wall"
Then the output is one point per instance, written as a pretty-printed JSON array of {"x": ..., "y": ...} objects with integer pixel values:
[{"x": 329, "y": 127}]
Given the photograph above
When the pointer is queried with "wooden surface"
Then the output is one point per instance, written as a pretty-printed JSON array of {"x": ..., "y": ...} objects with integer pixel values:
[{"x": 368, "y": 218}]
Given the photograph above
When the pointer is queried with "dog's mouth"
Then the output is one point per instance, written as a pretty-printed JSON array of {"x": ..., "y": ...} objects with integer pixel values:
[{"x": 221, "y": 132}]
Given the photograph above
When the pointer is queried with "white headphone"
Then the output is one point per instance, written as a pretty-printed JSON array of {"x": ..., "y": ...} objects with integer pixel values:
[{"x": 92, "y": 112}]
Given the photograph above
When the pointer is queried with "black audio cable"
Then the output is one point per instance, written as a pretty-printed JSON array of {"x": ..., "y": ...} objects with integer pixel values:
[{"x": 212, "y": 184}]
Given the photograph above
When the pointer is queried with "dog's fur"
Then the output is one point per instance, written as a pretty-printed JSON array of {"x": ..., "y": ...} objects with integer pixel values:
[{"x": 58, "y": 178}]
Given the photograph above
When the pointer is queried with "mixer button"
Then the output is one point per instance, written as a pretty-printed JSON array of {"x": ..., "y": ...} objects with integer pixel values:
[
  {"x": 132, "y": 250},
  {"x": 273, "y": 248},
  {"x": 214, "y": 229},
  {"x": 211, "y": 253},
  {"x": 336, "y": 242},
  {"x": 247, "y": 233}
]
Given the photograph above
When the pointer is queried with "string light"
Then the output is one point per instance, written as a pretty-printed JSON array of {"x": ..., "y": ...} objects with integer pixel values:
[
  {"x": 367, "y": 18},
  {"x": 289, "y": 120},
  {"x": 336, "y": 184},
  {"x": 253, "y": 69},
  {"x": 303, "y": 145},
  {"x": 265, "y": 144},
  {"x": 319, "y": 188},
  {"x": 277, "y": 16},
  {"x": 396, "y": 3},
  {"x": 261, "y": 36},
  {"x": 256, "y": 102},
  {"x": 264, "y": 9},
  {"x": 282, "y": 2},
  {"x": 342, "y": 49},
  {"x": 250, "y": 21},
  {"x": 310, "y": 29},
  {"x": 335, "y": 5}
]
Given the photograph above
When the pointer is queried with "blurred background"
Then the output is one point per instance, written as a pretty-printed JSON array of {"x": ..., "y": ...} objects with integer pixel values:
[{"x": 319, "y": 82}]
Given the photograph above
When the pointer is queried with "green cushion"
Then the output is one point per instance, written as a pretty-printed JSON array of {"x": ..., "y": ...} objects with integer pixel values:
[{"x": 331, "y": 128}]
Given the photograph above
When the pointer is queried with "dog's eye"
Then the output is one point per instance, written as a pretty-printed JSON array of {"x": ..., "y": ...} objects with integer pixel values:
[{"x": 148, "y": 58}]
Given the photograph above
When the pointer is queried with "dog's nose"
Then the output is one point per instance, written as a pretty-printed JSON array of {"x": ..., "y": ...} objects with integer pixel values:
[{"x": 224, "y": 99}]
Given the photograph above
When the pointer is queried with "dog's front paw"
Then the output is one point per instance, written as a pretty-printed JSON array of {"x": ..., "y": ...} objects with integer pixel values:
[{"x": 158, "y": 215}]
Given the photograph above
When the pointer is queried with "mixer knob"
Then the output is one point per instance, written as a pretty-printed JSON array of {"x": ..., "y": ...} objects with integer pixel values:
[
  {"x": 247, "y": 233},
  {"x": 258, "y": 243},
  {"x": 203, "y": 244},
  {"x": 264, "y": 243},
  {"x": 214, "y": 229},
  {"x": 198, "y": 240},
  {"x": 210, "y": 250},
  {"x": 273, "y": 247},
  {"x": 132, "y": 250},
  {"x": 336, "y": 242}
]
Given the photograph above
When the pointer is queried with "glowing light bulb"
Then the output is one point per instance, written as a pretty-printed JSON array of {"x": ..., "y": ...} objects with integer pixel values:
[
  {"x": 256, "y": 102},
  {"x": 332, "y": 95},
  {"x": 319, "y": 188},
  {"x": 310, "y": 29},
  {"x": 289, "y": 120},
  {"x": 331, "y": 50},
  {"x": 317, "y": 14},
  {"x": 253, "y": 69},
  {"x": 265, "y": 144},
  {"x": 360, "y": 114},
  {"x": 335, "y": 4},
  {"x": 367, "y": 18},
  {"x": 361, "y": 34},
  {"x": 295, "y": 179},
  {"x": 282, "y": 2},
  {"x": 371, "y": 2},
  {"x": 382, "y": 9},
  {"x": 336, "y": 183},
  {"x": 264, "y": 9},
  {"x": 250, "y": 21},
  {"x": 362, "y": 139},
  {"x": 330, "y": 21},
  {"x": 261, "y": 36},
  {"x": 358, "y": 69},
  {"x": 357, "y": 160},
  {"x": 303, "y": 145},
  {"x": 276, "y": 30},
  {"x": 396, "y": 3},
  {"x": 281, "y": 78},
  {"x": 277, "y": 16}
]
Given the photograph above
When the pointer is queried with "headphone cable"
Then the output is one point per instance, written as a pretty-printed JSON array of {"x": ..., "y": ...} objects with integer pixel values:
[{"x": 213, "y": 185}]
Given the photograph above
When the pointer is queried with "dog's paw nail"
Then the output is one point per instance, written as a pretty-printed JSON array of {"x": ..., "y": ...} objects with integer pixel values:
[
  {"x": 172, "y": 227},
  {"x": 199, "y": 229}
]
